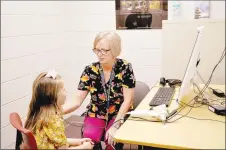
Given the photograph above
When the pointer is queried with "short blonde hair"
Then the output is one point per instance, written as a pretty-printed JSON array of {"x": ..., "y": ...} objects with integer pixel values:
[{"x": 114, "y": 41}]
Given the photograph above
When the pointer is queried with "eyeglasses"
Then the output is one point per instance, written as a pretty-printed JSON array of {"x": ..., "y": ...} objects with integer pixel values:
[{"x": 102, "y": 51}]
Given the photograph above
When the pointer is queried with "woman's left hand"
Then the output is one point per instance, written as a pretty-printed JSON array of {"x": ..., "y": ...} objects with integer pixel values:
[{"x": 110, "y": 134}]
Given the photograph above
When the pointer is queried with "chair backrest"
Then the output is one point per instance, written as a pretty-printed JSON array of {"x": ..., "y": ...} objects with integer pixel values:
[
  {"x": 25, "y": 139},
  {"x": 141, "y": 90}
]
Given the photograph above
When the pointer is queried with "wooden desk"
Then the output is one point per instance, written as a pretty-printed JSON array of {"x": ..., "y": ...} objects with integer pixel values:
[{"x": 184, "y": 133}]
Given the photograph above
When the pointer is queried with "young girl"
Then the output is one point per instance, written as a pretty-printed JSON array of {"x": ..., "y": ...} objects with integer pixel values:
[{"x": 44, "y": 117}]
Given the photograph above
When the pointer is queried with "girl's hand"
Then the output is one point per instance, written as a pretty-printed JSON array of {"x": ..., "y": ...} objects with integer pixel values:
[
  {"x": 86, "y": 140},
  {"x": 87, "y": 145},
  {"x": 76, "y": 142}
]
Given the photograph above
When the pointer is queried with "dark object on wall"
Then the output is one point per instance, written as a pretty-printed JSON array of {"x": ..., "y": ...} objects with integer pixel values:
[{"x": 136, "y": 21}]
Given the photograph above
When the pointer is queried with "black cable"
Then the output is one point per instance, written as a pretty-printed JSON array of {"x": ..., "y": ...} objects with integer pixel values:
[
  {"x": 218, "y": 100},
  {"x": 143, "y": 119},
  {"x": 200, "y": 92},
  {"x": 203, "y": 119},
  {"x": 206, "y": 85},
  {"x": 179, "y": 112},
  {"x": 208, "y": 82},
  {"x": 222, "y": 56},
  {"x": 195, "y": 102}
]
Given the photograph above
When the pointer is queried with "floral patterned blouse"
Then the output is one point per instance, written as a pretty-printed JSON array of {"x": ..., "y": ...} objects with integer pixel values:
[
  {"x": 52, "y": 135},
  {"x": 91, "y": 80}
]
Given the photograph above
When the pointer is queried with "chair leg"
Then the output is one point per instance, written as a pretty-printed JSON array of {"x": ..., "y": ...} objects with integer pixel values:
[
  {"x": 19, "y": 139},
  {"x": 119, "y": 146},
  {"x": 140, "y": 147}
]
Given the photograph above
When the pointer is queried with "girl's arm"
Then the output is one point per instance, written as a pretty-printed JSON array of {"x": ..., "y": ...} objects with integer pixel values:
[
  {"x": 85, "y": 145},
  {"x": 75, "y": 142}
]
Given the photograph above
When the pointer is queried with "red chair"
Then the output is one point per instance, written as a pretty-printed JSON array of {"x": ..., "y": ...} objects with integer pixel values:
[{"x": 24, "y": 138}]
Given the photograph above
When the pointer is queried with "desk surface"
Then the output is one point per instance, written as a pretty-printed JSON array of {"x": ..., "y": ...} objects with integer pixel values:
[{"x": 184, "y": 133}]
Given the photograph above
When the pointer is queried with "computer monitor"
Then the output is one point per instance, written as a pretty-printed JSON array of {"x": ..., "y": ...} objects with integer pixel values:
[{"x": 191, "y": 69}]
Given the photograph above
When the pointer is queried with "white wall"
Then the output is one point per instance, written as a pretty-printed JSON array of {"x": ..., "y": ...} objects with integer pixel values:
[
  {"x": 38, "y": 35},
  {"x": 177, "y": 49},
  {"x": 32, "y": 38}
]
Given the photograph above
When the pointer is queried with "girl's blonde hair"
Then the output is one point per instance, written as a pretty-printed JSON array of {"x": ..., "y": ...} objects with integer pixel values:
[
  {"x": 44, "y": 99},
  {"x": 114, "y": 41}
]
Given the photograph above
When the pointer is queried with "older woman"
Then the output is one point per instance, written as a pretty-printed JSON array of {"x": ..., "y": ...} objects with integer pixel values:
[{"x": 110, "y": 82}]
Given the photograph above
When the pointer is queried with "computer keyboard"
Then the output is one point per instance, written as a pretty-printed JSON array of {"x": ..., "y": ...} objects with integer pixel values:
[{"x": 162, "y": 96}]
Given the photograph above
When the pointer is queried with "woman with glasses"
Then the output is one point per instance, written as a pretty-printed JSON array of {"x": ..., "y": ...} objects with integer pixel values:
[{"x": 110, "y": 82}]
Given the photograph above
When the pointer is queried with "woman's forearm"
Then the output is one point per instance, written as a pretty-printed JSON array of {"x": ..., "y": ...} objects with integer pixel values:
[
  {"x": 122, "y": 111},
  {"x": 70, "y": 107},
  {"x": 128, "y": 99}
]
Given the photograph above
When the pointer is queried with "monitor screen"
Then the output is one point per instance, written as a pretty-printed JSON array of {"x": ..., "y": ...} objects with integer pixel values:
[{"x": 191, "y": 68}]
